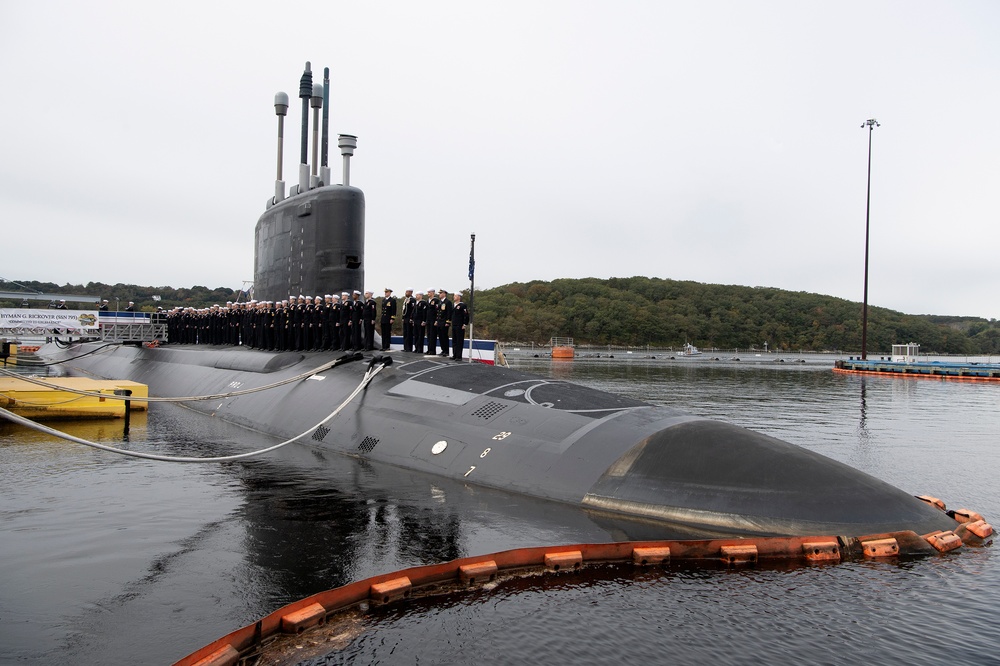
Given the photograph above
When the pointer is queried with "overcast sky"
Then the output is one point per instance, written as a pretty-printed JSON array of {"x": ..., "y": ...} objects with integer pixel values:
[{"x": 719, "y": 142}]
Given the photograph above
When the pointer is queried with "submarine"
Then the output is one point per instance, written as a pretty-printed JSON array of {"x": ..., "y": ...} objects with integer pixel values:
[{"x": 483, "y": 425}]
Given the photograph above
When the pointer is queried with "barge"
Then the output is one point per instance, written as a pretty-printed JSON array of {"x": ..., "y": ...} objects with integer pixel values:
[{"x": 904, "y": 363}]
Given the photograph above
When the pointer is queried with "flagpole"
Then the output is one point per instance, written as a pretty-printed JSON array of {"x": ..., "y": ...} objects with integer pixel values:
[{"x": 472, "y": 292}]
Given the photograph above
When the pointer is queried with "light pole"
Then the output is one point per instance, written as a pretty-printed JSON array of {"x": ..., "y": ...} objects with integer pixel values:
[
  {"x": 472, "y": 293},
  {"x": 871, "y": 124}
]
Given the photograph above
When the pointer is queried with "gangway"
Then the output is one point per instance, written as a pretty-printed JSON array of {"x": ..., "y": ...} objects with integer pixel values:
[{"x": 133, "y": 326}]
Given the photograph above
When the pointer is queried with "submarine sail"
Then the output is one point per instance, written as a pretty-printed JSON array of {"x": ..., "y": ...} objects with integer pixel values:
[{"x": 314, "y": 241}]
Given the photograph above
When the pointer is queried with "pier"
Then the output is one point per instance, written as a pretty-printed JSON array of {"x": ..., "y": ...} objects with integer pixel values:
[
  {"x": 63, "y": 397},
  {"x": 921, "y": 369},
  {"x": 904, "y": 362}
]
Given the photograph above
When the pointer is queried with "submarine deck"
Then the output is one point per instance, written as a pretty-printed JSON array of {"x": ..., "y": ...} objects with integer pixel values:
[{"x": 531, "y": 435}]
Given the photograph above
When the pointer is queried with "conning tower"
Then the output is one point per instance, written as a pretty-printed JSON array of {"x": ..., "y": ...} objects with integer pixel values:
[{"x": 313, "y": 240}]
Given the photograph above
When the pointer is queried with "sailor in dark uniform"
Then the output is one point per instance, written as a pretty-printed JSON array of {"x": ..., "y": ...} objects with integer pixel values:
[
  {"x": 298, "y": 314},
  {"x": 172, "y": 326},
  {"x": 387, "y": 319},
  {"x": 266, "y": 325},
  {"x": 104, "y": 305},
  {"x": 407, "y": 314},
  {"x": 320, "y": 318},
  {"x": 459, "y": 320},
  {"x": 357, "y": 312},
  {"x": 431, "y": 322},
  {"x": 334, "y": 322},
  {"x": 213, "y": 324},
  {"x": 290, "y": 323},
  {"x": 279, "y": 325},
  {"x": 131, "y": 307},
  {"x": 308, "y": 325},
  {"x": 230, "y": 332},
  {"x": 309, "y": 339},
  {"x": 305, "y": 304},
  {"x": 443, "y": 320},
  {"x": 246, "y": 323},
  {"x": 274, "y": 322},
  {"x": 370, "y": 310},
  {"x": 419, "y": 322},
  {"x": 325, "y": 309},
  {"x": 232, "y": 324},
  {"x": 62, "y": 304},
  {"x": 346, "y": 332},
  {"x": 257, "y": 322},
  {"x": 249, "y": 335},
  {"x": 300, "y": 325},
  {"x": 345, "y": 320},
  {"x": 260, "y": 325}
]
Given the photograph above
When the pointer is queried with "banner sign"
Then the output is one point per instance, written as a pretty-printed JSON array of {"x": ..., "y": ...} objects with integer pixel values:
[{"x": 23, "y": 321}]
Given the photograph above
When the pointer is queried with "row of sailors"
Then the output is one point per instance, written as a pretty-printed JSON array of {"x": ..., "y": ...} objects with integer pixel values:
[{"x": 329, "y": 322}]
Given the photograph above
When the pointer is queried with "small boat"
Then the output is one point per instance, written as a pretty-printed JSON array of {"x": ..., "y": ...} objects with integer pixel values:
[{"x": 689, "y": 350}]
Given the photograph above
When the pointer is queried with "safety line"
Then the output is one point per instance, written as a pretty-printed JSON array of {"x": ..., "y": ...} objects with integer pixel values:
[
  {"x": 369, "y": 375},
  {"x": 23, "y": 362},
  {"x": 309, "y": 373}
]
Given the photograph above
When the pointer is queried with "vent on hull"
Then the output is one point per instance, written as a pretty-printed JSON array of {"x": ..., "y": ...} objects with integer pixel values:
[
  {"x": 489, "y": 410},
  {"x": 367, "y": 444}
]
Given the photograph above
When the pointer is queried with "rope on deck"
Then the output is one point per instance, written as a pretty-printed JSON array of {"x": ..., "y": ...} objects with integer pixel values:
[{"x": 376, "y": 367}]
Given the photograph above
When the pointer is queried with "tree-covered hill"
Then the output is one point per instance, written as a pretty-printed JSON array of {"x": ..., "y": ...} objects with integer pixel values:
[{"x": 640, "y": 311}]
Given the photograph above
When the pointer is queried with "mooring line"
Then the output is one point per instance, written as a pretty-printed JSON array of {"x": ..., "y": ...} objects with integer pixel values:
[
  {"x": 309, "y": 373},
  {"x": 373, "y": 370}
]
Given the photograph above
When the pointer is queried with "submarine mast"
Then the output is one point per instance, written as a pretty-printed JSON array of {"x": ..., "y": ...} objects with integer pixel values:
[{"x": 311, "y": 242}]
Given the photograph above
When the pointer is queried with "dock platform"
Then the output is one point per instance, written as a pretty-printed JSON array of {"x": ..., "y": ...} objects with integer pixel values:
[
  {"x": 984, "y": 372},
  {"x": 43, "y": 403}
]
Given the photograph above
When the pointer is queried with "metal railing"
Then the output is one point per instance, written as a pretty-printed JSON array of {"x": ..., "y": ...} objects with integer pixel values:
[{"x": 133, "y": 326}]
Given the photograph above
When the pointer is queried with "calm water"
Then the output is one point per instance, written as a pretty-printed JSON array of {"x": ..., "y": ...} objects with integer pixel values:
[{"x": 111, "y": 560}]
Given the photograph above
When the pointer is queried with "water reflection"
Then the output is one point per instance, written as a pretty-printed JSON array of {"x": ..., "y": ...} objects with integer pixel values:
[
  {"x": 125, "y": 561},
  {"x": 106, "y": 431},
  {"x": 862, "y": 426},
  {"x": 314, "y": 520}
]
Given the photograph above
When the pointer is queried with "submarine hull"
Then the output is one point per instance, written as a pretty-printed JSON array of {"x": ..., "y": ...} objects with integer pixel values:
[{"x": 522, "y": 433}]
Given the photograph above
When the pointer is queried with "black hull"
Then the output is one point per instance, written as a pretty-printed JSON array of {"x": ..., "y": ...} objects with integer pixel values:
[{"x": 538, "y": 437}]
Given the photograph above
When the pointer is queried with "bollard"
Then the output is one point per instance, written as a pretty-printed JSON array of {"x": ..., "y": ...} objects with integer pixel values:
[{"x": 128, "y": 408}]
